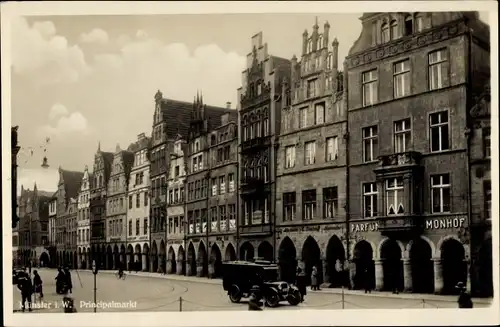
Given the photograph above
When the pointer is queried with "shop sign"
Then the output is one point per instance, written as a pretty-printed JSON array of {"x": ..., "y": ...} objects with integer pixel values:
[
  {"x": 445, "y": 223},
  {"x": 364, "y": 227}
]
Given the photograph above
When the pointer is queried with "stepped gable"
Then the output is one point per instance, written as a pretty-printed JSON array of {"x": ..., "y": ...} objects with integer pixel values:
[
  {"x": 177, "y": 115},
  {"x": 72, "y": 182}
]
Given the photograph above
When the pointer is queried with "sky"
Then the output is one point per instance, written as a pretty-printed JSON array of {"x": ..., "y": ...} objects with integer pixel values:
[{"x": 80, "y": 80}]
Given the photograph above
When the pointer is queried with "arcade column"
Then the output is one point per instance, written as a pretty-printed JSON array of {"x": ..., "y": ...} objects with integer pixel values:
[
  {"x": 144, "y": 262},
  {"x": 189, "y": 269},
  {"x": 438, "y": 276},
  {"x": 169, "y": 267},
  {"x": 468, "y": 264},
  {"x": 179, "y": 267},
  {"x": 211, "y": 270},
  {"x": 407, "y": 275},
  {"x": 325, "y": 276},
  {"x": 379, "y": 275},
  {"x": 199, "y": 269}
]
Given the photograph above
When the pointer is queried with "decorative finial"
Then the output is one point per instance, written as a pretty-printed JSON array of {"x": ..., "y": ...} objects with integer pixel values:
[
  {"x": 305, "y": 32},
  {"x": 99, "y": 146},
  {"x": 327, "y": 24},
  {"x": 316, "y": 22},
  {"x": 158, "y": 96},
  {"x": 335, "y": 42},
  {"x": 254, "y": 52},
  {"x": 118, "y": 147}
]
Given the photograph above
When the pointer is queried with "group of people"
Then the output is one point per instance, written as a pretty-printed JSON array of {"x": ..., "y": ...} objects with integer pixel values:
[
  {"x": 63, "y": 281},
  {"x": 28, "y": 287}
]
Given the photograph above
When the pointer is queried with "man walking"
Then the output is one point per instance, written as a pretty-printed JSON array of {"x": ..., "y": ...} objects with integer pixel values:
[
  {"x": 37, "y": 282},
  {"x": 26, "y": 287},
  {"x": 69, "y": 283}
]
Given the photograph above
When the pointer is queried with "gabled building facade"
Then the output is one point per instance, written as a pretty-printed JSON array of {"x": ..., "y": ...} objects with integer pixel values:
[
  {"x": 98, "y": 193},
  {"x": 138, "y": 204},
  {"x": 259, "y": 118},
  {"x": 83, "y": 221},
  {"x": 53, "y": 230},
  {"x": 117, "y": 202},
  {"x": 408, "y": 103},
  {"x": 66, "y": 222},
  {"x": 311, "y": 165}
]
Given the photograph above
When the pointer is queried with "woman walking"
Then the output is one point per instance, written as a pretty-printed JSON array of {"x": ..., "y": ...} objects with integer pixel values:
[{"x": 314, "y": 279}]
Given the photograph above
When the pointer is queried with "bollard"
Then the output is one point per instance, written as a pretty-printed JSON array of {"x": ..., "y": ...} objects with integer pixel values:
[
  {"x": 343, "y": 297},
  {"x": 180, "y": 304}
]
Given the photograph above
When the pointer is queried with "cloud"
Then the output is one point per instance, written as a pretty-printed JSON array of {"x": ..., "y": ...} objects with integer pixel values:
[
  {"x": 45, "y": 56},
  {"x": 66, "y": 124},
  {"x": 97, "y": 35},
  {"x": 57, "y": 110}
]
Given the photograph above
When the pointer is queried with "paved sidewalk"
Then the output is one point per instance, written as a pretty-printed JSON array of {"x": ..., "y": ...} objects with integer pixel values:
[{"x": 409, "y": 296}]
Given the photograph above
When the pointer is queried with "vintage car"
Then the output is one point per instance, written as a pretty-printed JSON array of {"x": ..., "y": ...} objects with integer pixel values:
[{"x": 242, "y": 278}]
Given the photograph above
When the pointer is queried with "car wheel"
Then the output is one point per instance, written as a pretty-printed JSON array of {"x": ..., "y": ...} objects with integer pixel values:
[
  {"x": 272, "y": 299},
  {"x": 234, "y": 294},
  {"x": 294, "y": 299}
]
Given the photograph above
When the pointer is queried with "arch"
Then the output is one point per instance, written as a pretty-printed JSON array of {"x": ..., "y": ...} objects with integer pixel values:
[
  {"x": 191, "y": 260},
  {"x": 383, "y": 243},
  {"x": 230, "y": 254},
  {"x": 216, "y": 261},
  {"x": 145, "y": 257},
  {"x": 364, "y": 266},
  {"x": 453, "y": 264},
  {"x": 181, "y": 257},
  {"x": 202, "y": 260},
  {"x": 171, "y": 261},
  {"x": 391, "y": 252},
  {"x": 287, "y": 258},
  {"x": 247, "y": 251},
  {"x": 429, "y": 243},
  {"x": 116, "y": 257},
  {"x": 484, "y": 264},
  {"x": 154, "y": 257},
  {"x": 109, "y": 257},
  {"x": 422, "y": 268},
  {"x": 443, "y": 240},
  {"x": 335, "y": 259},
  {"x": 311, "y": 256},
  {"x": 44, "y": 259},
  {"x": 265, "y": 251}
]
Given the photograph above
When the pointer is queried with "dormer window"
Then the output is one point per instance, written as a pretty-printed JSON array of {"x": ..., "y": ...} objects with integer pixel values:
[
  {"x": 309, "y": 46},
  {"x": 320, "y": 42},
  {"x": 394, "y": 30},
  {"x": 386, "y": 36},
  {"x": 419, "y": 24},
  {"x": 408, "y": 25},
  {"x": 329, "y": 61}
]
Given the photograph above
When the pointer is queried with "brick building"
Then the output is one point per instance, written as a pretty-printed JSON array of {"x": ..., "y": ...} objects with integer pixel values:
[
  {"x": 259, "y": 118},
  {"x": 117, "y": 202},
  {"x": 66, "y": 221},
  {"x": 83, "y": 221},
  {"x": 408, "y": 100},
  {"x": 311, "y": 165},
  {"x": 98, "y": 191},
  {"x": 203, "y": 120},
  {"x": 175, "y": 209},
  {"x": 138, "y": 205}
]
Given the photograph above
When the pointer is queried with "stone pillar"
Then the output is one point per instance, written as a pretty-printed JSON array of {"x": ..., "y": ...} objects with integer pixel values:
[
  {"x": 438, "y": 276},
  {"x": 169, "y": 267},
  {"x": 408, "y": 191},
  {"x": 352, "y": 273},
  {"x": 199, "y": 269},
  {"x": 469, "y": 271},
  {"x": 325, "y": 271},
  {"x": 189, "y": 269},
  {"x": 408, "y": 277},
  {"x": 179, "y": 268},
  {"x": 114, "y": 262},
  {"x": 144, "y": 262},
  {"x": 211, "y": 270},
  {"x": 379, "y": 275}
]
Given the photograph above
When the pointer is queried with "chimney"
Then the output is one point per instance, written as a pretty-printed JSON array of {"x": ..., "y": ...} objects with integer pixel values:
[{"x": 228, "y": 105}]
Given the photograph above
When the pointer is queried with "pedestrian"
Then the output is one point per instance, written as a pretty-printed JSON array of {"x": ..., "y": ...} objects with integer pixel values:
[
  {"x": 26, "y": 287},
  {"x": 37, "y": 282},
  {"x": 464, "y": 299},
  {"x": 137, "y": 266},
  {"x": 60, "y": 280},
  {"x": 314, "y": 279},
  {"x": 301, "y": 283},
  {"x": 69, "y": 283},
  {"x": 367, "y": 281}
]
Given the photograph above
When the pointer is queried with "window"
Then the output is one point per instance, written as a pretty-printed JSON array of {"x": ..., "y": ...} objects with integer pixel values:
[
  {"x": 370, "y": 143},
  {"x": 328, "y": 83},
  {"x": 370, "y": 87},
  {"x": 222, "y": 214},
  {"x": 395, "y": 195},
  {"x": 290, "y": 156},
  {"x": 419, "y": 24},
  {"x": 309, "y": 204},
  {"x": 195, "y": 164},
  {"x": 130, "y": 202},
  {"x": 146, "y": 195},
  {"x": 487, "y": 142},
  {"x": 310, "y": 153},
  {"x": 266, "y": 126},
  {"x": 231, "y": 182},
  {"x": 408, "y": 25},
  {"x": 163, "y": 185},
  {"x": 232, "y": 216},
  {"x": 438, "y": 69},
  {"x": 311, "y": 88},
  {"x": 330, "y": 201},
  {"x": 303, "y": 117},
  {"x": 137, "y": 200},
  {"x": 222, "y": 184},
  {"x": 289, "y": 202},
  {"x": 394, "y": 30},
  {"x": 386, "y": 36},
  {"x": 171, "y": 196},
  {"x": 329, "y": 61},
  {"x": 137, "y": 226},
  {"x": 402, "y": 135},
  {"x": 487, "y": 199},
  {"x": 370, "y": 206},
  {"x": 319, "y": 110},
  {"x": 402, "y": 79},
  {"x": 177, "y": 171},
  {"x": 332, "y": 148},
  {"x": 130, "y": 228},
  {"x": 441, "y": 195},
  {"x": 439, "y": 131},
  {"x": 145, "y": 225},
  {"x": 214, "y": 186}
]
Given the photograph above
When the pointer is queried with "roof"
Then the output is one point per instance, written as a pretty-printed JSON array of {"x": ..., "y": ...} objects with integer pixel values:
[
  {"x": 128, "y": 161},
  {"x": 140, "y": 144},
  {"x": 108, "y": 161},
  {"x": 177, "y": 114},
  {"x": 72, "y": 182}
]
